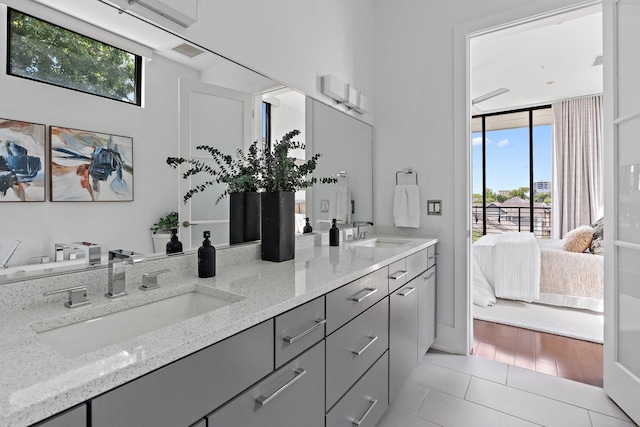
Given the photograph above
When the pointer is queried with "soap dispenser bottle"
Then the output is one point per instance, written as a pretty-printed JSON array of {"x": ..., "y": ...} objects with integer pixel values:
[
  {"x": 206, "y": 257},
  {"x": 334, "y": 234},
  {"x": 307, "y": 227},
  {"x": 174, "y": 245}
]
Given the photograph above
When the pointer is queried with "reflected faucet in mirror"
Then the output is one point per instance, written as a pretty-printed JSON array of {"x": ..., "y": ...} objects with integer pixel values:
[
  {"x": 7, "y": 257},
  {"x": 118, "y": 258}
]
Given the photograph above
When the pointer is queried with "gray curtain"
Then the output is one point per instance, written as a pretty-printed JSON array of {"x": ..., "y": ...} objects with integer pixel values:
[{"x": 577, "y": 163}]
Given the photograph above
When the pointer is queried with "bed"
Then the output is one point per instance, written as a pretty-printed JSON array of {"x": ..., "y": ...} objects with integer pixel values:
[{"x": 520, "y": 267}]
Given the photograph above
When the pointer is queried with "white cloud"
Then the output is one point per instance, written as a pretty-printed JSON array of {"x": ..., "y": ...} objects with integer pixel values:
[
  {"x": 503, "y": 143},
  {"x": 478, "y": 141}
]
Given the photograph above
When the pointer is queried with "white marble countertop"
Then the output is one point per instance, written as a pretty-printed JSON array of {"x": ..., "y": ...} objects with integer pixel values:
[{"x": 38, "y": 382}]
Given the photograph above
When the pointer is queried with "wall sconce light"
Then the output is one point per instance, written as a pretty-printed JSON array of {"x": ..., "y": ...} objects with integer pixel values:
[
  {"x": 344, "y": 94},
  {"x": 334, "y": 88}
]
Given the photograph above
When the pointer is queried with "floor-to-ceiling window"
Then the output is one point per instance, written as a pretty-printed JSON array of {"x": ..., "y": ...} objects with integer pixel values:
[{"x": 512, "y": 172}]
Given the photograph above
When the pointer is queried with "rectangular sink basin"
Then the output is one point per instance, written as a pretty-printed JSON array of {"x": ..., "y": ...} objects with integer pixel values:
[
  {"x": 382, "y": 242},
  {"x": 93, "y": 334}
]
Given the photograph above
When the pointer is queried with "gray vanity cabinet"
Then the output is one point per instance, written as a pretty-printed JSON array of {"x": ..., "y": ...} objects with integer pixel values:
[
  {"x": 426, "y": 310},
  {"x": 74, "y": 417},
  {"x": 291, "y": 396},
  {"x": 366, "y": 401},
  {"x": 183, "y": 392},
  {"x": 298, "y": 329},
  {"x": 403, "y": 334}
]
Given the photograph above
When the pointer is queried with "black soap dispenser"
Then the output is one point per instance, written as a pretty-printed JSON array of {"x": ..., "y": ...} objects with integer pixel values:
[
  {"x": 206, "y": 257},
  {"x": 174, "y": 245},
  {"x": 307, "y": 227},
  {"x": 334, "y": 234}
]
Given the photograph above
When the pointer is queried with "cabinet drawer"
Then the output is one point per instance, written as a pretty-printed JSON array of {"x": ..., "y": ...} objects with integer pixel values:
[
  {"x": 74, "y": 417},
  {"x": 181, "y": 393},
  {"x": 354, "y": 348},
  {"x": 291, "y": 396},
  {"x": 347, "y": 302},
  {"x": 397, "y": 274},
  {"x": 432, "y": 255},
  {"x": 299, "y": 329},
  {"x": 417, "y": 263},
  {"x": 365, "y": 402}
]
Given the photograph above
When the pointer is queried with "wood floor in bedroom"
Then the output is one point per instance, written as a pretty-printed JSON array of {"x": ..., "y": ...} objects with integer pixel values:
[{"x": 538, "y": 351}]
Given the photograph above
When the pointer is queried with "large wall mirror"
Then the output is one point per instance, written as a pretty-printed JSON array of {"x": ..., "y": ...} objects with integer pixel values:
[{"x": 187, "y": 90}]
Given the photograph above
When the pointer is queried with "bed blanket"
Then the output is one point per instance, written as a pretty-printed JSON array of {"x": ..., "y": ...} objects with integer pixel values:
[{"x": 511, "y": 264}]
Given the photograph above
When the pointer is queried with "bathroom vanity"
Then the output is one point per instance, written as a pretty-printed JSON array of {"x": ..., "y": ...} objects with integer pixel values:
[{"x": 323, "y": 340}]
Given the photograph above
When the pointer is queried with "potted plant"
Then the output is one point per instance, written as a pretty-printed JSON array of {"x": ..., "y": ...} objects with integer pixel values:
[
  {"x": 281, "y": 177},
  {"x": 161, "y": 230},
  {"x": 241, "y": 174}
]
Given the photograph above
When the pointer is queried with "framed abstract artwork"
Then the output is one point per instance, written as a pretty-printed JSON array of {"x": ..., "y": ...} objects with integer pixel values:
[
  {"x": 22, "y": 161},
  {"x": 90, "y": 166}
]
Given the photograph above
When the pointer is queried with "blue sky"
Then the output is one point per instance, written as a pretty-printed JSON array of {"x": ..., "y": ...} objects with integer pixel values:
[{"x": 508, "y": 158}]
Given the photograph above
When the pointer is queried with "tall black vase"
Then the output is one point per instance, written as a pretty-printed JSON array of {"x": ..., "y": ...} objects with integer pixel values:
[
  {"x": 244, "y": 217},
  {"x": 278, "y": 225}
]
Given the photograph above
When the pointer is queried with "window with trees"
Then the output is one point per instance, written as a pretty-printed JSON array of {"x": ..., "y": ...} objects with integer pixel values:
[
  {"x": 511, "y": 154},
  {"x": 45, "y": 52}
]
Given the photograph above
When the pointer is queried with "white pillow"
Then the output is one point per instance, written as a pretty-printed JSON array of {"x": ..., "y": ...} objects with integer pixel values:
[{"x": 483, "y": 294}]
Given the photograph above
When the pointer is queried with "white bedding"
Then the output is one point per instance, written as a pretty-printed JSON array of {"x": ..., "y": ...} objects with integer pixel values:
[
  {"x": 565, "y": 278},
  {"x": 511, "y": 264}
]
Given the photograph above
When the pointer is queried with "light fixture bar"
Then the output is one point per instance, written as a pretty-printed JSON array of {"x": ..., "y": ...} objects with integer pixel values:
[{"x": 489, "y": 95}]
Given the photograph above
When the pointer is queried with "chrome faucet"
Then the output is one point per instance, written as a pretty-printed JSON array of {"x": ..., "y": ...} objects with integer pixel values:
[
  {"x": 118, "y": 258},
  {"x": 360, "y": 234},
  {"x": 7, "y": 257}
]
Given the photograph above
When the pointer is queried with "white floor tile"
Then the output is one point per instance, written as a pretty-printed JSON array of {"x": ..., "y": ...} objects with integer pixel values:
[
  {"x": 447, "y": 410},
  {"x": 472, "y": 365},
  {"x": 397, "y": 418},
  {"x": 441, "y": 379},
  {"x": 537, "y": 409},
  {"x": 410, "y": 397},
  {"x": 601, "y": 420},
  {"x": 564, "y": 390}
]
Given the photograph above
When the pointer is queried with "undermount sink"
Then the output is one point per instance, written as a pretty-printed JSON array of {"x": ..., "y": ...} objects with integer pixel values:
[
  {"x": 382, "y": 242},
  {"x": 93, "y": 334}
]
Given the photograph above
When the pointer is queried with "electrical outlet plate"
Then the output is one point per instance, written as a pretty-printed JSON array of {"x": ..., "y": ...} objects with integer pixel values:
[{"x": 324, "y": 206}]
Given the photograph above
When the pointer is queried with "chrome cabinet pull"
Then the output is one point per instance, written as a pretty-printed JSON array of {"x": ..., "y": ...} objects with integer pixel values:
[
  {"x": 297, "y": 374},
  {"x": 369, "y": 292},
  {"x": 318, "y": 323},
  {"x": 358, "y": 353},
  {"x": 372, "y": 403},
  {"x": 406, "y": 292},
  {"x": 398, "y": 275}
]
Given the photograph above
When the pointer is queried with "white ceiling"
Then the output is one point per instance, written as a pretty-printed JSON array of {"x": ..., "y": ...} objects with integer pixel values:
[{"x": 540, "y": 62}]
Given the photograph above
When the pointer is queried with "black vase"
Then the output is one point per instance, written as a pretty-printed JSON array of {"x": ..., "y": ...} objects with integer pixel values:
[
  {"x": 244, "y": 217},
  {"x": 278, "y": 225}
]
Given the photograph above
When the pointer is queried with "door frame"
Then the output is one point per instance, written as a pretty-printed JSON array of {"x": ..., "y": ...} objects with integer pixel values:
[{"x": 462, "y": 340}]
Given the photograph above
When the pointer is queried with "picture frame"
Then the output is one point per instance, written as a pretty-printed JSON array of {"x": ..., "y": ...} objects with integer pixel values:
[
  {"x": 90, "y": 166},
  {"x": 23, "y": 175}
]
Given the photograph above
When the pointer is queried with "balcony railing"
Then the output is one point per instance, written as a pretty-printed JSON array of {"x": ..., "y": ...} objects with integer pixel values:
[{"x": 510, "y": 219}]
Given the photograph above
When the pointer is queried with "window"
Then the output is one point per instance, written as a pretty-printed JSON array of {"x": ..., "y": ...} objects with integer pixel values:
[
  {"x": 512, "y": 156},
  {"x": 266, "y": 126},
  {"x": 41, "y": 51}
]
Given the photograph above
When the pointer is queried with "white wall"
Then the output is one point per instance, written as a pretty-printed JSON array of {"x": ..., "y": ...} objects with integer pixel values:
[
  {"x": 419, "y": 74},
  {"x": 293, "y": 41},
  {"x": 154, "y": 130}
]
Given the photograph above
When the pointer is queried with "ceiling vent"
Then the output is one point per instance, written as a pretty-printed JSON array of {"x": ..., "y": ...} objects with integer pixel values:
[
  {"x": 597, "y": 61},
  {"x": 489, "y": 95},
  {"x": 187, "y": 49}
]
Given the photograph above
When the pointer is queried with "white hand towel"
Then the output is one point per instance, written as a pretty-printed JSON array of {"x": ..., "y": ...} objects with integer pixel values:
[
  {"x": 406, "y": 206},
  {"x": 340, "y": 204}
]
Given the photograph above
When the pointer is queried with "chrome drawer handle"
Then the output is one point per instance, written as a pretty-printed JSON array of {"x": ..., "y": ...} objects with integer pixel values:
[
  {"x": 369, "y": 292},
  {"x": 372, "y": 403},
  {"x": 297, "y": 374},
  {"x": 406, "y": 292},
  {"x": 291, "y": 340},
  {"x": 358, "y": 353},
  {"x": 398, "y": 275}
]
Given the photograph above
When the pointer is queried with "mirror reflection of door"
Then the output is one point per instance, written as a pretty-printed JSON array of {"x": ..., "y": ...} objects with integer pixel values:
[{"x": 221, "y": 118}]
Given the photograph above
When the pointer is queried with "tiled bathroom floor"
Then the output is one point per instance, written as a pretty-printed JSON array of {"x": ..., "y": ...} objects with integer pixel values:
[{"x": 453, "y": 390}]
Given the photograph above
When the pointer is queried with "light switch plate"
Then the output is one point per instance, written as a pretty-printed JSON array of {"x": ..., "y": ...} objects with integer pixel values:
[
  {"x": 324, "y": 206},
  {"x": 434, "y": 207}
]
